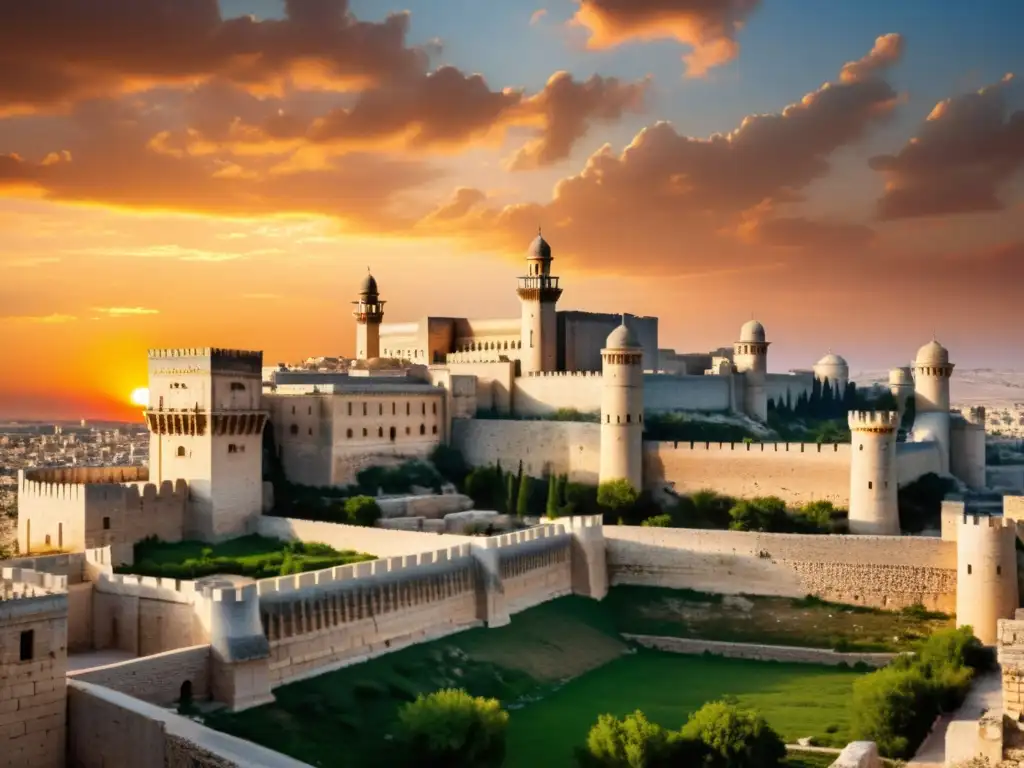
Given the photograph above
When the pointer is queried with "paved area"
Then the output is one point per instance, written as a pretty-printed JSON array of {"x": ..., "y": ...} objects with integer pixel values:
[
  {"x": 79, "y": 661},
  {"x": 985, "y": 694}
]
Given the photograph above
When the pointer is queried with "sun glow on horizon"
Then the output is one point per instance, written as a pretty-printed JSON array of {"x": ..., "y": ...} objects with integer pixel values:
[{"x": 140, "y": 396}]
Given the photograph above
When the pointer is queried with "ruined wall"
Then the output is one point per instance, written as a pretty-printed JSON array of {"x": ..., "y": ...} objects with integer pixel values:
[
  {"x": 158, "y": 679},
  {"x": 795, "y": 472},
  {"x": 373, "y": 541},
  {"x": 879, "y": 571},
  {"x": 563, "y": 447}
]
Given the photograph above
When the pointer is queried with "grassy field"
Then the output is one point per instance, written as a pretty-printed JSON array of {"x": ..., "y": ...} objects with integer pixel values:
[
  {"x": 255, "y": 556},
  {"x": 806, "y": 622},
  {"x": 561, "y": 662},
  {"x": 809, "y": 760}
]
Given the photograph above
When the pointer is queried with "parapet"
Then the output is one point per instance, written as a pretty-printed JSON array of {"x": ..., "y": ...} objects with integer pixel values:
[
  {"x": 153, "y": 587},
  {"x": 562, "y": 374},
  {"x": 233, "y": 360},
  {"x": 83, "y": 475},
  {"x": 873, "y": 421},
  {"x": 774, "y": 447},
  {"x": 992, "y": 524},
  {"x": 20, "y": 583}
]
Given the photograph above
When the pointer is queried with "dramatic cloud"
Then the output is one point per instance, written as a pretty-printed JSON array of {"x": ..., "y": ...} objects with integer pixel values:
[
  {"x": 968, "y": 149},
  {"x": 54, "y": 51},
  {"x": 675, "y": 203},
  {"x": 709, "y": 27}
]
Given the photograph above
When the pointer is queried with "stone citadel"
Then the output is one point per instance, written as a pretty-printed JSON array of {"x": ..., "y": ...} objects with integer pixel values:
[{"x": 416, "y": 386}]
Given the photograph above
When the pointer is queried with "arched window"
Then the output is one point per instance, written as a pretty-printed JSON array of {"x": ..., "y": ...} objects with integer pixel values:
[
  {"x": 408, "y": 409},
  {"x": 424, "y": 408},
  {"x": 181, "y": 450},
  {"x": 348, "y": 433},
  {"x": 380, "y": 431},
  {"x": 408, "y": 430},
  {"x": 237, "y": 386},
  {"x": 423, "y": 429},
  {"x": 394, "y": 433},
  {"x": 294, "y": 429},
  {"x": 433, "y": 429},
  {"x": 433, "y": 408},
  {"x": 365, "y": 432}
]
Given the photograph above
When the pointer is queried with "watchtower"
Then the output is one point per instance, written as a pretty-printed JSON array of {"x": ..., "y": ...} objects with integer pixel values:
[
  {"x": 932, "y": 371},
  {"x": 538, "y": 293},
  {"x": 622, "y": 408},
  {"x": 750, "y": 357},
  {"x": 206, "y": 427},
  {"x": 369, "y": 313},
  {"x": 986, "y": 574},
  {"x": 874, "y": 509}
]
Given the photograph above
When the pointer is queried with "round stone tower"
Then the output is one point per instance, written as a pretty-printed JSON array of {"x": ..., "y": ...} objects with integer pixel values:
[
  {"x": 538, "y": 293},
  {"x": 368, "y": 312},
  {"x": 622, "y": 408},
  {"x": 750, "y": 357},
  {"x": 901, "y": 385},
  {"x": 874, "y": 509},
  {"x": 986, "y": 574},
  {"x": 932, "y": 371}
]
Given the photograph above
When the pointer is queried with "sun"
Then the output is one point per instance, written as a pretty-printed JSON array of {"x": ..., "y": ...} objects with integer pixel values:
[{"x": 140, "y": 396}]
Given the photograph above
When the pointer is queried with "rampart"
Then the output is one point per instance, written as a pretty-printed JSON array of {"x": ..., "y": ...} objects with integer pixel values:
[
  {"x": 374, "y": 541},
  {"x": 160, "y": 679},
  {"x": 83, "y": 508},
  {"x": 879, "y": 571},
  {"x": 562, "y": 447},
  {"x": 795, "y": 472},
  {"x": 544, "y": 393}
]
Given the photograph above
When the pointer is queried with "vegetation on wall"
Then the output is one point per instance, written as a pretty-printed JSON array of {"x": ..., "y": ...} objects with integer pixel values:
[
  {"x": 920, "y": 502},
  {"x": 683, "y": 427},
  {"x": 768, "y": 514}
]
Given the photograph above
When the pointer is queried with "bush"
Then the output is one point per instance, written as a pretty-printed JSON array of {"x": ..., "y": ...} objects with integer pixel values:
[
  {"x": 362, "y": 510},
  {"x": 450, "y": 464},
  {"x": 734, "y": 737},
  {"x": 619, "y": 497},
  {"x": 658, "y": 521},
  {"x": 451, "y": 729},
  {"x": 634, "y": 742}
]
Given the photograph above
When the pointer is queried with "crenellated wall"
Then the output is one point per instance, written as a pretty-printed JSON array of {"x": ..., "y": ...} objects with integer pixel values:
[
  {"x": 532, "y": 575},
  {"x": 879, "y": 571},
  {"x": 795, "y": 472}
]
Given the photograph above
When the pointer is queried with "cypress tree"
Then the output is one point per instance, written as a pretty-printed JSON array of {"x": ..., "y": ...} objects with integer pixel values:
[
  {"x": 523, "y": 502},
  {"x": 563, "y": 480},
  {"x": 552, "y": 505},
  {"x": 510, "y": 493}
]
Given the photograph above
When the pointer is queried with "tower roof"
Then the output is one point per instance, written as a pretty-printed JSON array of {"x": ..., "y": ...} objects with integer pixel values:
[
  {"x": 832, "y": 360},
  {"x": 621, "y": 338},
  {"x": 369, "y": 285},
  {"x": 752, "y": 331},
  {"x": 932, "y": 353},
  {"x": 539, "y": 249},
  {"x": 900, "y": 376}
]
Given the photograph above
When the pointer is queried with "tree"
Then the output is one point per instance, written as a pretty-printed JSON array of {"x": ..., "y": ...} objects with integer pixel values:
[
  {"x": 635, "y": 742},
  {"x": 552, "y": 503},
  {"x": 658, "y": 521},
  {"x": 362, "y": 510},
  {"x": 510, "y": 493},
  {"x": 451, "y": 729},
  {"x": 523, "y": 502},
  {"x": 617, "y": 496},
  {"x": 450, "y": 464},
  {"x": 734, "y": 737}
]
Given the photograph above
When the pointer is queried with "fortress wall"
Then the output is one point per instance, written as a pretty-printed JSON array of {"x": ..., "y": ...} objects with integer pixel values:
[
  {"x": 87, "y": 475},
  {"x": 686, "y": 393},
  {"x": 541, "y": 394},
  {"x": 916, "y": 459},
  {"x": 156, "y": 678},
  {"x": 1009, "y": 477},
  {"x": 374, "y": 541},
  {"x": 69, "y": 564},
  {"x": 144, "y": 615},
  {"x": 80, "y": 617},
  {"x": 534, "y": 577},
  {"x": 494, "y": 382},
  {"x": 777, "y": 385},
  {"x": 880, "y": 571},
  {"x": 563, "y": 447},
  {"x": 795, "y": 472},
  {"x": 51, "y": 515}
]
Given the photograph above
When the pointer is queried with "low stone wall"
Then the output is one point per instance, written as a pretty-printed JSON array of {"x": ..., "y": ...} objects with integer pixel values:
[
  {"x": 430, "y": 506},
  {"x": 157, "y": 679},
  {"x": 108, "y": 728},
  {"x": 374, "y": 541},
  {"x": 784, "y": 653}
]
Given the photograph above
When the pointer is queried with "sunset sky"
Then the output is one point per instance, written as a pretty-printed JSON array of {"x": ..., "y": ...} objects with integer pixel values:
[{"x": 188, "y": 173}]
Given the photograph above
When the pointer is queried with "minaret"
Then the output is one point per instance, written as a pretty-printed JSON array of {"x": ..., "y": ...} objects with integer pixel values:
[
  {"x": 750, "y": 357},
  {"x": 622, "y": 408},
  {"x": 932, "y": 371},
  {"x": 538, "y": 292},
  {"x": 874, "y": 509},
  {"x": 368, "y": 312}
]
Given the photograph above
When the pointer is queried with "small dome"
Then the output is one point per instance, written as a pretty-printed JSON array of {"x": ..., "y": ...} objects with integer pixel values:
[
  {"x": 539, "y": 249},
  {"x": 621, "y": 338},
  {"x": 752, "y": 331},
  {"x": 900, "y": 376},
  {"x": 932, "y": 353},
  {"x": 833, "y": 361},
  {"x": 369, "y": 286}
]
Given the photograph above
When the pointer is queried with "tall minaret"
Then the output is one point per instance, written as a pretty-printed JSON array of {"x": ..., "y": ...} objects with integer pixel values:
[
  {"x": 932, "y": 371},
  {"x": 538, "y": 292},
  {"x": 368, "y": 312},
  {"x": 750, "y": 357},
  {"x": 622, "y": 408}
]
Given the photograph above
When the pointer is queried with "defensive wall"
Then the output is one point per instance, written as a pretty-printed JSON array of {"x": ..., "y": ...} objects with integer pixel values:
[
  {"x": 562, "y": 447},
  {"x": 69, "y": 509},
  {"x": 879, "y": 571},
  {"x": 374, "y": 541},
  {"x": 160, "y": 679}
]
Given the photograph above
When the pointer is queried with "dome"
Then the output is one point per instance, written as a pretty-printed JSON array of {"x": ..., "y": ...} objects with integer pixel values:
[
  {"x": 369, "y": 286},
  {"x": 621, "y": 338},
  {"x": 832, "y": 361},
  {"x": 752, "y": 331},
  {"x": 539, "y": 249},
  {"x": 932, "y": 353},
  {"x": 900, "y": 377}
]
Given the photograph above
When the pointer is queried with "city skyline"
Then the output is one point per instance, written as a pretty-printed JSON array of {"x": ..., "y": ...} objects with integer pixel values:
[{"x": 684, "y": 159}]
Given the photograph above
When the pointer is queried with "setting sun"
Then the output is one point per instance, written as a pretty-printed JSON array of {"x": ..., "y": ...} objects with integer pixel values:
[{"x": 140, "y": 396}]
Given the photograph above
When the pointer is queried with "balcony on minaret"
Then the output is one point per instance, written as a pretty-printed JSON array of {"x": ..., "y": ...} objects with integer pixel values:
[
  {"x": 539, "y": 287},
  {"x": 368, "y": 311}
]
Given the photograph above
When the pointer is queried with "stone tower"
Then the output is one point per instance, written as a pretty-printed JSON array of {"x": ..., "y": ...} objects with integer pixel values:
[
  {"x": 873, "y": 480},
  {"x": 368, "y": 312},
  {"x": 986, "y": 573},
  {"x": 622, "y": 408},
  {"x": 206, "y": 427},
  {"x": 750, "y": 357},
  {"x": 901, "y": 385},
  {"x": 932, "y": 371},
  {"x": 538, "y": 293}
]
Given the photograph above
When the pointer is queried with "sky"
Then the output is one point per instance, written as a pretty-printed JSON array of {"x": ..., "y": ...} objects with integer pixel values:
[{"x": 182, "y": 173}]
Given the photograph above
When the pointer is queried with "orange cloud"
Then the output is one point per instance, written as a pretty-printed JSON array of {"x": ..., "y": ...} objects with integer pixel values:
[
  {"x": 968, "y": 149},
  {"x": 537, "y": 16},
  {"x": 709, "y": 27}
]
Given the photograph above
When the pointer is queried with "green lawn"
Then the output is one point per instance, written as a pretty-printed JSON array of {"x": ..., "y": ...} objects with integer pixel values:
[
  {"x": 256, "y": 556},
  {"x": 805, "y": 622},
  {"x": 809, "y": 760},
  {"x": 796, "y": 699}
]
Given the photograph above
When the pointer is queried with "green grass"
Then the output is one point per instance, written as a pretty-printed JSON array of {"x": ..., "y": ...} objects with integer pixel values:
[
  {"x": 805, "y": 622},
  {"x": 256, "y": 556},
  {"x": 797, "y": 700},
  {"x": 796, "y": 759}
]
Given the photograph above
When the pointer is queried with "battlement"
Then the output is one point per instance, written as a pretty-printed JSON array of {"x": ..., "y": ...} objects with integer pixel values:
[
  {"x": 873, "y": 421},
  {"x": 105, "y": 485},
  {"x": 992, "y": 522},
  {"x": 720, "y": 447},
  {"x": 22, "y": 583},
  {"x": 522, "y": 537},
  {"x": 216, "y": 358},
  {"x": 84, "y": 475},
  {"x": 562, "y": 374},
  {"x": 152, "y": 587}
]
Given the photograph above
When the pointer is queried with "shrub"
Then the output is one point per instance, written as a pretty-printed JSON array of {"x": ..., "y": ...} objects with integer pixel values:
[
  {"x": 362, "y": 510},
  {"x": 635, "y": 742},
  {"x": 734, "y": 737},
  {"x": 451, "y": 729},
  {"x": 617, "y": 496},
  {"x": 450, "y": 464},
  {"x": 523, "y": 502},
  {"x": 658, "y": 521}
]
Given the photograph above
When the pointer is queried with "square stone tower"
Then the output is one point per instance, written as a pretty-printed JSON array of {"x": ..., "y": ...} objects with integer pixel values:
[{"x": 206, "y": 427}]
